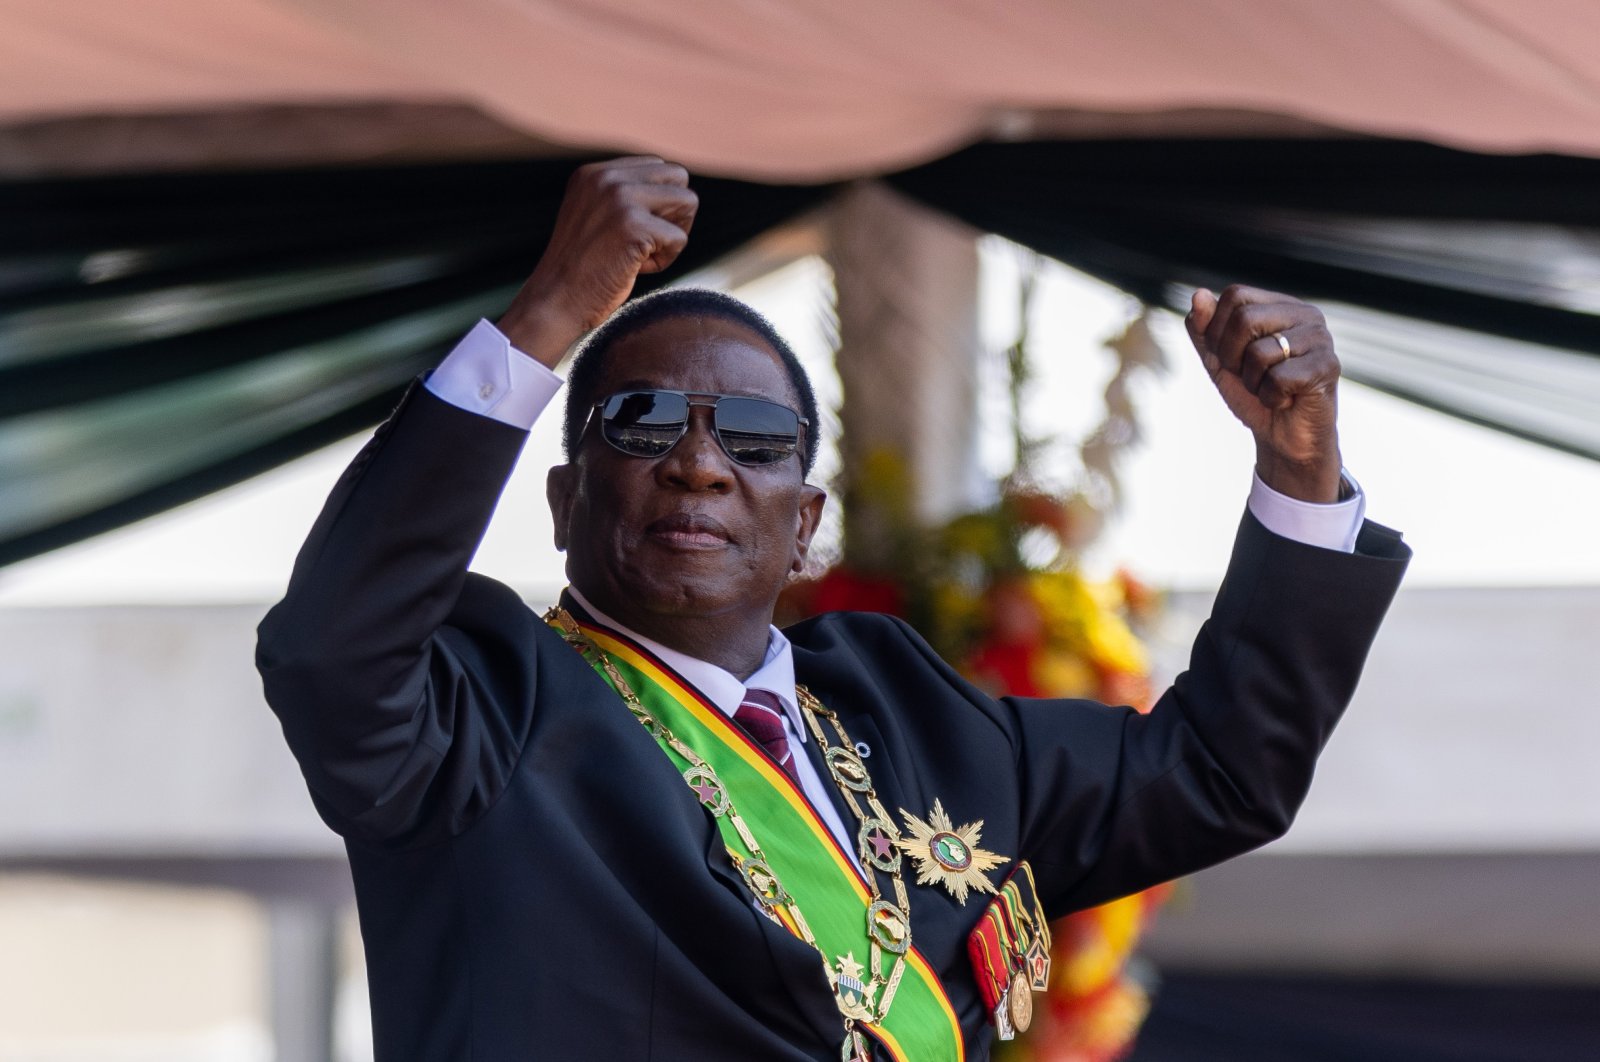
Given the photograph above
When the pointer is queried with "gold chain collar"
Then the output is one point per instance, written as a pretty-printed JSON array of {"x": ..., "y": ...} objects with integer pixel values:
[{"x": 888, "y": 926}]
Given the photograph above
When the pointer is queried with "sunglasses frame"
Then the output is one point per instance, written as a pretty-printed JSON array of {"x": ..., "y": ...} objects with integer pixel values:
[{"x": 700, "y": 398}]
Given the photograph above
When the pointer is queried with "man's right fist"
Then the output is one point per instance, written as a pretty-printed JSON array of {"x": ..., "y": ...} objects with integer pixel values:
[{"x": 618, "y": 219}]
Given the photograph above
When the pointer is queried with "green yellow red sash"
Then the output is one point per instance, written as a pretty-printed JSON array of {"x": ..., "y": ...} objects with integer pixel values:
[{"x": 921, "y": 1025}]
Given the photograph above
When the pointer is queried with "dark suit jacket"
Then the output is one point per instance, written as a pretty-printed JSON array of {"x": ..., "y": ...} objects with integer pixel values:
[{"x": 534, "y": 879}]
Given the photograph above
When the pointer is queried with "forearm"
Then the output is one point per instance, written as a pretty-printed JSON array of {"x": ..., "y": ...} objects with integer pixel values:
[
  {"x": 1223, "y": 762},
  {"x": 1277, "y": 662}
]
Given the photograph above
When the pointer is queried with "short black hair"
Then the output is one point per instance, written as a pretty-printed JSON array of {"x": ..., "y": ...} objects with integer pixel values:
[{"x": 583, "y": 378}]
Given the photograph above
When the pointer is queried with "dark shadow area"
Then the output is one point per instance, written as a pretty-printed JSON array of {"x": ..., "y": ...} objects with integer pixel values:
[{"x": 1210, "y": 1017}]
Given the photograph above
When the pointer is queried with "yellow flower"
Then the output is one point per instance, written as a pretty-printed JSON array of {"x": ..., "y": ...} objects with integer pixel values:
[
  {"x": 1105, "y": 948},
  {"x": 1064, "y": 675},
  {"x": 1113, "y": 646}
]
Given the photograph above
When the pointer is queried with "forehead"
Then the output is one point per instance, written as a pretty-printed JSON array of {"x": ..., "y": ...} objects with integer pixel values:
[{"x": 697, "y": 354}]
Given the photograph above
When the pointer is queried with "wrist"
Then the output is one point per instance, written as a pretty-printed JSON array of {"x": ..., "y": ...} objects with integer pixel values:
[
  {"x": 539, "y": 331},
  {"x": 1318, "y": 481}
]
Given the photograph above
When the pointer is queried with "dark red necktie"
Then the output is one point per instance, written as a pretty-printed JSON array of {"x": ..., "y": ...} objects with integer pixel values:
[{"x": 761, "y": 716}]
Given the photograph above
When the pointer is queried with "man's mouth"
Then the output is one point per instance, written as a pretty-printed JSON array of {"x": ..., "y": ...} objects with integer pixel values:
[{"x": 689, "y": 531}]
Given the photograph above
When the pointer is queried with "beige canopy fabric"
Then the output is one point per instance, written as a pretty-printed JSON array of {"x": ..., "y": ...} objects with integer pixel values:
[{"x": 787, "y": 90}]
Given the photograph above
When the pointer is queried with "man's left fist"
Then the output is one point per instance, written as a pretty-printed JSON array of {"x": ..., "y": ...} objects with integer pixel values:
[{"x": 1272, "y": 360}]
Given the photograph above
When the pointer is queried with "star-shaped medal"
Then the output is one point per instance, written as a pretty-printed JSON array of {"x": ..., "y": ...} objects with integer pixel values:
[{"x": 948, "y": 856}]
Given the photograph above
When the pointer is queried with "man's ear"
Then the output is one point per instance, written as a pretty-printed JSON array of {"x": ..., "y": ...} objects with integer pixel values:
[
  {"x": 812, "y": 500},
  {"x": 560, "y": 487}
]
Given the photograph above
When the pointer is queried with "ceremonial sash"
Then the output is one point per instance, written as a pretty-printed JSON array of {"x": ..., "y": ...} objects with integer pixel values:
[{"x": 921, "y": 1025}]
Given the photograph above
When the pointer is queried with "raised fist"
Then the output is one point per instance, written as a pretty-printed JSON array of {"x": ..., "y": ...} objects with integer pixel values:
[
  {"x": 1271, "y": 358},
  {"x": 618, "y": 219}
]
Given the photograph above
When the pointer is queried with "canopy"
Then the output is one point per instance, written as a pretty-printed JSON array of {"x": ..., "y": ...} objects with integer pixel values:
[{"x": 835, "y": 88}]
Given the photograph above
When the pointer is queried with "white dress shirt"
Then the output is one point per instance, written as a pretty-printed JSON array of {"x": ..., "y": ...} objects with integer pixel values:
[{"x": 485, "y": 374}]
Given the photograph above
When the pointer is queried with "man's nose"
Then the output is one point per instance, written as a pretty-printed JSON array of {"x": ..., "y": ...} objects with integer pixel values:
[{"x": 698, "y": 461}]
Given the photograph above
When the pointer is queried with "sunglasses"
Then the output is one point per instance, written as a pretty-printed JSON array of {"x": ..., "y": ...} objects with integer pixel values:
[{"x": 648, "y": 423}]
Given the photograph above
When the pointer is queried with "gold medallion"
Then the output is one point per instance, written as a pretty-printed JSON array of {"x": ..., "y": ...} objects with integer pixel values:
[
  {"x": 853, "y": 994},
  {"x": 763, "y": 882},
  {"x": 948, "y": 856},
  {"x": 847, "y": 769},
  {"x": 705, "y": 784},
  {"x": 875, "y": 845},
  {"x": 889, "y": 927},
  {"x": 1021, "y": 1003}
]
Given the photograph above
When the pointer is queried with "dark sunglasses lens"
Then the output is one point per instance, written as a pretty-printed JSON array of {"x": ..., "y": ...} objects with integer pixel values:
[
  {"x": 756, "y": 432},
  {"x": 644, "y": 423}
]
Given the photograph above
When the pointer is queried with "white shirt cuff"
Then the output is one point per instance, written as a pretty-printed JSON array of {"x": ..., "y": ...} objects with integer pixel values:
[
  {"x": 486, "y": 375},
  {"x": 1332, "y": 526}
]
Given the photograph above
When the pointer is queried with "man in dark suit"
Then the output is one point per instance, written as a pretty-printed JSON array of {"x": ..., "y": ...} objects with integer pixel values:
[{"x": 535, "y": 878}]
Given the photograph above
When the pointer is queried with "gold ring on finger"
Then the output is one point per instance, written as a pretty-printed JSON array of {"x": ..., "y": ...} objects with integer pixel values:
[{"x": 1283, "y": 345}]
